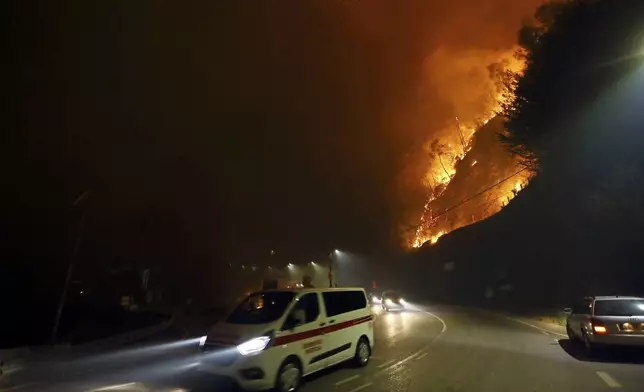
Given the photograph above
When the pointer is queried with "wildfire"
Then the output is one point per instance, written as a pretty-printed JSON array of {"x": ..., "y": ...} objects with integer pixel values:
[
  {"x": 434, "y": 239},
  {"x": 445, "y": 155}
]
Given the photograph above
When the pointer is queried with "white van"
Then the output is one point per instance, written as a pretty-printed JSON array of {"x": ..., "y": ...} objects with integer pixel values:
[{"x": 273, "y": 338}]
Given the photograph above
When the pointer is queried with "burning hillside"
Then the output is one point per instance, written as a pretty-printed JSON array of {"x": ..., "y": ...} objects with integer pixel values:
[
  {"x": 469, "y": 175},
  {"x": 485, "y": 180}
]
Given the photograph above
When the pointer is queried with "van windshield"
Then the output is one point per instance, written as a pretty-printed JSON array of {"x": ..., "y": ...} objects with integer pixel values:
[{"x": 261, "y": 308}]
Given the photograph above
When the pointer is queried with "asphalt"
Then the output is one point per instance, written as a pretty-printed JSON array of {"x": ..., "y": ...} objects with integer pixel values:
[{"x": 429, "y": 348}]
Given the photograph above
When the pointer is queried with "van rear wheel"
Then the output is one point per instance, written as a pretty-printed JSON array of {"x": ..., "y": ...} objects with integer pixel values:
[{"x": 363, "y": 352}]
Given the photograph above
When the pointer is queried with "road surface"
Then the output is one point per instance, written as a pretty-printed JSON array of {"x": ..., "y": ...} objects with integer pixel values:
[{"x": 431, "y": 348}]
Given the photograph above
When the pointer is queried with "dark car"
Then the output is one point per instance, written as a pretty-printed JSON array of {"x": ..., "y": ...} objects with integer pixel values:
[{"x": 607, "y": 321}]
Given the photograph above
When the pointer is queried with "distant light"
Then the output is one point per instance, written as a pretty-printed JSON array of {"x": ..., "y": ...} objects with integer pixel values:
[
  {"x": 312, "y": 262},
  {"x": 337, "y": 251},
  {"x": 269, "y": 267},
  {"x": 272, "y": 252},
  {"x": 202, "y": 341},
  {"x": 82, "y": 292},
  {"x": 243, "y": 267},
  {"x": 290, "y": 265}
]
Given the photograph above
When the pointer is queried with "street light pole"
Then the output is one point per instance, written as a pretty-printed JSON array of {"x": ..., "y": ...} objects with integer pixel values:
[
  {"x": 70, "y": 269},
  {"x": 331, "y": 270},
  {"x": 332, "y": 257}
]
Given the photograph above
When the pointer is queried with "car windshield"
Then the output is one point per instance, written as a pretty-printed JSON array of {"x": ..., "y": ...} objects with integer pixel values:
[
  {"x": 261, "y": 308},
  {"x": 620, "y": 307},
  {"x": 391, "y": 294}
]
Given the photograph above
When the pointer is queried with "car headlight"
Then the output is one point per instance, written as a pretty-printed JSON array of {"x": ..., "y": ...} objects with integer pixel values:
[
  {"x": 402, "y": 301},
  {"x": 376, "y": 299},
  {"x": 254, "y": 345},
  {"x": 202, "y": 341},
  {"x": 389, "y": 302}
]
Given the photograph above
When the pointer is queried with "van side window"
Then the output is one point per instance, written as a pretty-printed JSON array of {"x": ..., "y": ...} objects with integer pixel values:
[
  {"x": 338, "y": 302},
  {"x": 305, "y": 311}
]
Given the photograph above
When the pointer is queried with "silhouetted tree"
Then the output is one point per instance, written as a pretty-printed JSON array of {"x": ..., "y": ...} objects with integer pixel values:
[{"x": 575, "y": 53}]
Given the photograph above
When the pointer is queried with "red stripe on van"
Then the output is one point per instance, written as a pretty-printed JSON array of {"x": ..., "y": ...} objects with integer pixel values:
[{"x": 319, "y": 331}]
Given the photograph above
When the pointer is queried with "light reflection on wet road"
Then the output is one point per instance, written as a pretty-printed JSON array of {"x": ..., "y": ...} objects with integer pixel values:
[{"x": 453, "y": 350}]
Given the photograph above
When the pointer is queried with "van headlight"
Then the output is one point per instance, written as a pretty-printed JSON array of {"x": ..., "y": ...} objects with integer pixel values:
[{"x": 254, "y": 345}]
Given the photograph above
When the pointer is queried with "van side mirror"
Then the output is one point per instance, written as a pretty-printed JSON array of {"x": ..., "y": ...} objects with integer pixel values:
[{"x": 568, "y": 310}]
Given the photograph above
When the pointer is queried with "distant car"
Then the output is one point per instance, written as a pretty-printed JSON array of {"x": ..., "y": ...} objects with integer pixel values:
[
  {"x": 392, "y": 300},
  {"x": 374, "y": 298},
  {"x": 607, "y": 321}
]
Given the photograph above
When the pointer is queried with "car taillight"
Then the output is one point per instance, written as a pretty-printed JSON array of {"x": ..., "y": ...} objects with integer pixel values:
[{"x": 599, "y": 329}]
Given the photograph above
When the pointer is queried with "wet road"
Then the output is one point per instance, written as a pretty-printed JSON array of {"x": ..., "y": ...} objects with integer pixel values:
[{"x": 433, "y": 348}]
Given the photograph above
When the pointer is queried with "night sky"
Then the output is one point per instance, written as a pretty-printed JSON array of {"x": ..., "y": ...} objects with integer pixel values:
[{"x": 210, "y": 131}]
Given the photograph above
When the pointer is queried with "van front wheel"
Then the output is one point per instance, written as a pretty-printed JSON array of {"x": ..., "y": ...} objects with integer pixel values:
[
  {"x": 363, "y": 352},
  {"x": 289, "y": 376}
]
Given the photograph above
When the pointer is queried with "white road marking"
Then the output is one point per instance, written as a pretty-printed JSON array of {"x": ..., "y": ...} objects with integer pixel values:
[
  {"x": 439, "y": 319},
  {"x": 423, "y": 355},
  {"x": 535, "y": 327},
  {"x": 386, "y": 363},
  {"x": 610, "y": 381},
  {"x": 396, "y": 366},
  {"x": 115, "y": 387},
  {"x": 363, "y": 386},
  {"x": 546, "y": 333},
  {"x": 346, "y": 380}
]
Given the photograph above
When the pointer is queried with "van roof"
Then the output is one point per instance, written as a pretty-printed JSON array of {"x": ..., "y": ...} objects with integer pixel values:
[{"x": 612, "y": 297}]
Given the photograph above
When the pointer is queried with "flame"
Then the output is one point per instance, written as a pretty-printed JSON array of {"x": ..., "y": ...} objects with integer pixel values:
[
  {"x": 449, "y": 151},
  {"x": 434, "y": 239}
]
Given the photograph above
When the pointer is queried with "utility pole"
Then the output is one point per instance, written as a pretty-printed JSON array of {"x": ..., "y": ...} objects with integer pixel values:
[
  {"x": 70, "y": 268},
  {"x": 331, "y": 269}
]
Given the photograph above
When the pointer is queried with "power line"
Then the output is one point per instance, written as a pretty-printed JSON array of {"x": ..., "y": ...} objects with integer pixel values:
[{"x": 471, "y": 197}]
